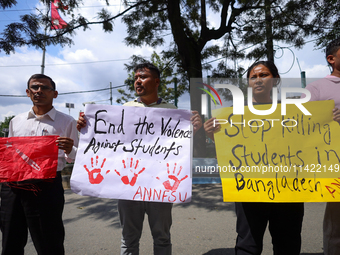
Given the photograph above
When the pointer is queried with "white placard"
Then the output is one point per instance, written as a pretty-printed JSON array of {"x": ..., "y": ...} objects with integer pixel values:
[{"x": 134, "y": 153}]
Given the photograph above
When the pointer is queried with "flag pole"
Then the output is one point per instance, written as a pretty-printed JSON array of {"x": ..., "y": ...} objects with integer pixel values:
[
  {"x": 44, "y": 45},
  {"x": 56, "y": 23},
  {"x": 43, "y": 56}
]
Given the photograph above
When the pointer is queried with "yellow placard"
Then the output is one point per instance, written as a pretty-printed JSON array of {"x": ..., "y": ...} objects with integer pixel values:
[{"x": 279, "y": 158}]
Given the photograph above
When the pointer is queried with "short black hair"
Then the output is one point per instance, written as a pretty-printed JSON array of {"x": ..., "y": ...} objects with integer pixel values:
[
  {"x": 270, "y": 65},
  {"x": 40, "y": 76},
  {"x": 153, "y": 69},
  {"x": 332, "y": 48}
]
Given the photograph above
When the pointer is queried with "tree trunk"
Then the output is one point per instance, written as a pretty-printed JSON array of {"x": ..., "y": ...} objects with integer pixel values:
[
  {"x": 269, "y": 31},
  {"x": 190, "y": 54}
]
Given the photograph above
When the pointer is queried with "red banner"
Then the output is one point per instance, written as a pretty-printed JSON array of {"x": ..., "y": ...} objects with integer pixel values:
[
  {"x": 24, "y": 158},
  {"x": 57, "y": 21}
]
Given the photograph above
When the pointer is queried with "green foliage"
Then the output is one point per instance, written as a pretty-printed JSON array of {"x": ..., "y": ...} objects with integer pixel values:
[
  {"x": 258, "y": 23},
  {"x": 149, "y": 20},
  {"x": 125, "y": 95},
  {"x": 5, "y": 125},
  {"x": 326, "y": 22},
  {"x": 269, "y": 22},
  {"x": 7, "y": 3},
  {"x": 107, "y": 23}
]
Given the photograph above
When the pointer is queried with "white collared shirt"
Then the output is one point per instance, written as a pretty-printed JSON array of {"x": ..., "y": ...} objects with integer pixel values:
[{"x": 51, "y": 123}]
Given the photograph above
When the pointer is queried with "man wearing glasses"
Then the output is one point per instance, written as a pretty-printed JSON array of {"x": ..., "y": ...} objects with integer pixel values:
[{"x": 38, "y": 204}]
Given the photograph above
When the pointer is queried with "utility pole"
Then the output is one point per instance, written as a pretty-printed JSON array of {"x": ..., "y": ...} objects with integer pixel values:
[
  {"x": 175, "y": 90},
  {"x": 209, "y": 100},
  {"x": 269, "y": 30},
  {"x": 111, "y": 93},
  {"x": 303, "y": 75},
  {"x": 43, "y": 56}
]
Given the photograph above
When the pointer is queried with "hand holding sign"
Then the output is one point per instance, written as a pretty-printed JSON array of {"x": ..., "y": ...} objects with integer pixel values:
[
  {"x": 65, "y": 144},
  {"x": 196, "y": 121},
  {"x": 210, "y": 127},
  {"x": 336, "y": 115},
  {"x": 125, "y": 178}
]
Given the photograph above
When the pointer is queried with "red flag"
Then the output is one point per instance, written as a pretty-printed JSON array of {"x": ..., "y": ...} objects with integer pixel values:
[
  {"x": 24, "y": 158},
  {"x": 57, "y": 21}
]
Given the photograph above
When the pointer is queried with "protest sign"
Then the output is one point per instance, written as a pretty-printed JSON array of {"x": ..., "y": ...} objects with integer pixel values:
[
  {"x": 279, "y": 158},
  {"x": 134, "y": 153},
  {"x": 24, "y": 158}
]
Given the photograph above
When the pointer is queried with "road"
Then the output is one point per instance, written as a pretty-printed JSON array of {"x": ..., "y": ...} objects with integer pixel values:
[{"x": 204, "y": 226}]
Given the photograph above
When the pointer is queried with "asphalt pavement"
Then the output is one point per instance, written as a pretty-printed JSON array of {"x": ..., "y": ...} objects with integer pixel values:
[{"x": 204, "y": 226}]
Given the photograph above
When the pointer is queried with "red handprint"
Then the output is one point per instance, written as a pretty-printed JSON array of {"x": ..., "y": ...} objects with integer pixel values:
[
  {"x": 172, "y": 176},
  {"x": 125, "y": 178},
  {"x": 97, "y": 171}
]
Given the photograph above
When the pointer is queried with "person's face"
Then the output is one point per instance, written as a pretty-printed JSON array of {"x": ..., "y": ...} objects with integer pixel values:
[
  {"x": 41, "y": 92},
  {"x": 145, "y": 83},
  {"x": 261, "y": 80},
  {"x": 334, "y": 60}
]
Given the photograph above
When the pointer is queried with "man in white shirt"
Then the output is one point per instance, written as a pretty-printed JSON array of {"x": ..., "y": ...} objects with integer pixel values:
[{"x": 39, "y": 209}]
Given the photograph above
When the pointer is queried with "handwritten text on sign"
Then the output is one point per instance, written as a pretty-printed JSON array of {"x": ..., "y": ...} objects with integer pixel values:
[
  {"x": 274, "y": 158},
  {"x": 134, "y": 153}
]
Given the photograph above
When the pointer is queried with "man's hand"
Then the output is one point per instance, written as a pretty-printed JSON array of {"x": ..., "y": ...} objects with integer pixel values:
[
  {"x": 211, "y": 126},
  {"x": 336, "y": 115},
  {"x": 81, "y": 122},
  {"x": 196, "y": 121},
  {"x": 65, "y": 143}
]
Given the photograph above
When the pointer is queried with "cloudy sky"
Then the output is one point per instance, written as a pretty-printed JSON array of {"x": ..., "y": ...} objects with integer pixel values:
[{"x": 98, "y": 58}]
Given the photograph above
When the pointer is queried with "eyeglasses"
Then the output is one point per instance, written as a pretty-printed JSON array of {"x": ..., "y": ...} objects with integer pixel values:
[{"x": 35, "y": 88}]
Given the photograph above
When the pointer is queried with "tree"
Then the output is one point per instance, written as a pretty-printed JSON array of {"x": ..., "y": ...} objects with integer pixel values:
[
  {"x": 274, "y": 21},
  {"x": 7, "y": 3},
  {"x": 256, "y": 22},
  {"x": 326, "y": 21},
  {"x": 5, "y": 125},
  {"x": 168, "y": 77}
]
